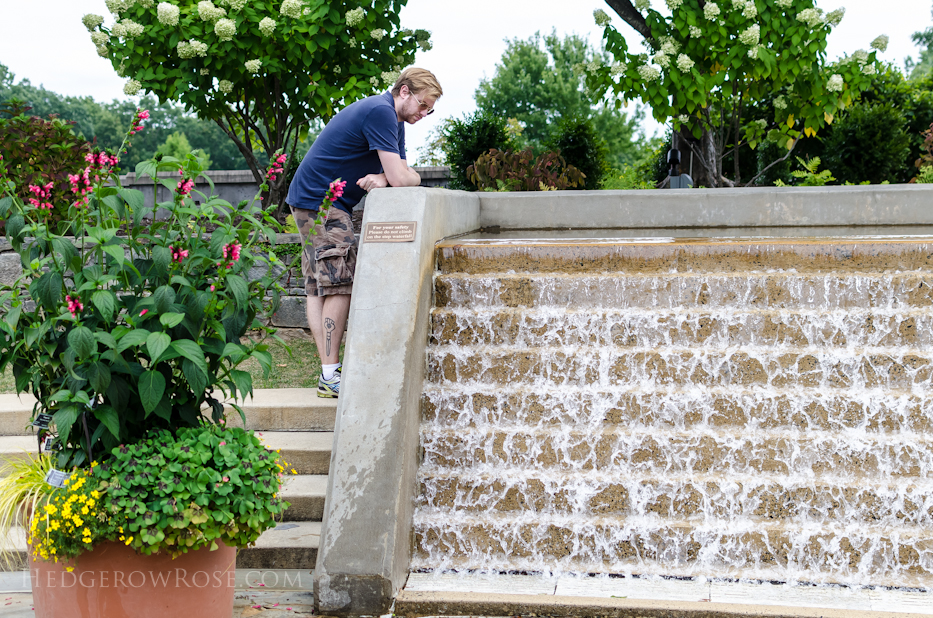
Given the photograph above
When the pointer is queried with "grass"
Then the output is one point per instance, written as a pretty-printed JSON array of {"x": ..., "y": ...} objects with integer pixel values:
[{"x": 300, "y": 370}]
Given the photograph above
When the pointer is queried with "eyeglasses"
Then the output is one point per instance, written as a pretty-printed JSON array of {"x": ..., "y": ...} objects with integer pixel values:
[{"x": 424, "y": 106}]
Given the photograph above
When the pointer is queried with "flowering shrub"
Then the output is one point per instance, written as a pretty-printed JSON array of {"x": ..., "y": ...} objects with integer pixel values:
[
  {"x": 726, "y": 55},
  {"x": 168, "y": 492},
  {"x": 40, "y": 157},
  {"x": 119, "y": 335},
  {"x": 234, "y": 62},
  {"x": 924, "y": 164}
]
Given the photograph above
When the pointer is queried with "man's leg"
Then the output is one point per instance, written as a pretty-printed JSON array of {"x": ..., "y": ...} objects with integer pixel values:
[{"x": 327, "y": 317}]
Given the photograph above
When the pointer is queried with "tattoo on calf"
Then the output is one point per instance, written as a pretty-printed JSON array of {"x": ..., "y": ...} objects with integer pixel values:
[{"x": 329, "y": 326}]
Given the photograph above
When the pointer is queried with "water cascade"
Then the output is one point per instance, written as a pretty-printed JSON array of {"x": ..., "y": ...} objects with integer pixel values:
[{"x": 757, "y": 408}]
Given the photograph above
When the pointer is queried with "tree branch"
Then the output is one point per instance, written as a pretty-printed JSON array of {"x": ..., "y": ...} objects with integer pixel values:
[
  {"x": 784, "y": 158},
  {"x": 632, "y": 17}
]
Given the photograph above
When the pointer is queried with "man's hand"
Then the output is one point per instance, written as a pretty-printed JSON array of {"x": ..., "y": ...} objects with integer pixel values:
[
  {"x": 397, "y": 171},
  {"x": 373, "y": 181}
]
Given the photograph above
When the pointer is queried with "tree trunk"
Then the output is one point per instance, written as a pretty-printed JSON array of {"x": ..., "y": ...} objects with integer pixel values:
[{"x": 705, "y": 171}]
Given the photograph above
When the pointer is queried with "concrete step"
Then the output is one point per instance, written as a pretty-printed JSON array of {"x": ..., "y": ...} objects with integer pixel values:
[
  {"x": 741, "y": 409},
  {"x": 305, "y": 493},
  {"x": 815, "y": 455},
  {"x": 786, "y": 369},
  {"x": 819, "y": 554},
  {"x": 290, "y": 545},
  {"x": 681, "y": 328},
  {"x": 279, "y": 409},
  {"x": 739, "y": 290},
  {"x": 308, "y": 452},
  {"x": 714, "y": 496},
  {"x": 665, "y": 255}
]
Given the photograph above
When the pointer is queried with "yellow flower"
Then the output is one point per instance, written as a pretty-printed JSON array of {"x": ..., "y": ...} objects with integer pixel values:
[
  {"x": 93, "y": 463},
  {"x": 129, "y": 540},
  {"x": 69, "y": 569},
  {"x": 95, "y": 494},
  {"x": 78, "y": 521},
  {"x": 50, "y": 508},
  {"x": 85, "y": 510},
  {"x": 53, "y": 525}
]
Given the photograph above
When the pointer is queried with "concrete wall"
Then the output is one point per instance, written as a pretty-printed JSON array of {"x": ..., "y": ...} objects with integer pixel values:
[
  {"x": 366, "y": 538},
  {"x": 237, "y": 185}
]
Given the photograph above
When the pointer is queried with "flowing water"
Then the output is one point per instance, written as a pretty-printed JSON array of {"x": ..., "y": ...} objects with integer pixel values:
[{"x": 748, "y": 409}]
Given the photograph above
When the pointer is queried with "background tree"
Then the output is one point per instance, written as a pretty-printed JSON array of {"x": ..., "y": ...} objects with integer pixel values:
[
  {"x": 235, "y": 63},
  {"x": 922, "y": 67},
  {"x": 708, "y": 61},
  {"x": 540, "y": 80}
]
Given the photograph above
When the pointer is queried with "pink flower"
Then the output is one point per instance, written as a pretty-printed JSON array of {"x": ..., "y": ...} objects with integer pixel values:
[
  {"x": 185, "y": 186},
  {"x": 232, "y": 251},
  {"x": 178, "y": 254},
  {"x": 222, "y": 443},
  {"x": 74, "y": 305},
  {"x": 212, "y": 287},
  {"x": 144, "y": 115},
  {"x": 143, "y": 312}
]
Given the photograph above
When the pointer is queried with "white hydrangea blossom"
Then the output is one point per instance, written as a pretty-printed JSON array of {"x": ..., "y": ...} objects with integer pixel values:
[
  {"x": 868, "y": 69},
  {"x": 208, "y": 12},
  {"x": 833, "y": 18},
  {"x": 425, "y": 44},
  {"x": 91, "y": 21},
  {"x": 167, "y": 14},
  {"x": 377, "y": 34},
  {"x": 103, "y": 51},
  {"x": 602, "y": 19},
  {"x": 236, "y": 5},
  {"x": 593, "y": 65},
  {"x": 673, "y": 4},
  {"x": 661, "y": 59},
  {"x": 374, "y": 81},
  {"x": 253, "y": 66},
  {"x": 784, "y": 3},
  {"x": 132, "y": 87},
  {"x": 669, "y": 46},
  {"x": 780, "y": 102},
  {"x": 205, "y": 71},
  {"x": 684, "y": 63},
  {"x": 750, "y": 35},
  {"x": 355, "y": 16},
  {"x": 118, "y": 6},
  {"x": 146, "y": 4},
  {"x": 835, "y": 83},
  {"x": 99, "y": 38},
  {"x": 749, "y": 10},
  {"x": 132, "y": 28},
  {"x": 711, "y": 11},
  {"x": 192, "y": 48},
  {"x": 860, "y": 55},
  {"x": 225, "y": 29},
  {"x": 291, "y": 8},
  {"x": 650, "y": 72},
  {"x": 267, "y": 26},
  {"x": 695, "y": 32},
  {"x": 225, "y": 86},
  {"x": 761, "y": 122},
  {"x": 121, "y": 70},
  {"x": 880, "y": 43},
  {"x": 352, "y": 42},
  {"x": 337, "y": 70},
  {"x": 118, "y": 30},
  {"x": 389, "y": 77},
  {"x": 811, "y": 17},
  {"x": 753, "y": 53},
  {"x": 683, "y": 118},
  {"x": 642, "y": 5},
  {"x": 617, "y": 68}
]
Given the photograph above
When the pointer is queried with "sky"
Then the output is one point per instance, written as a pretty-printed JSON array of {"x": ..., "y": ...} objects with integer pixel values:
[{"x": 44, "y": 41}]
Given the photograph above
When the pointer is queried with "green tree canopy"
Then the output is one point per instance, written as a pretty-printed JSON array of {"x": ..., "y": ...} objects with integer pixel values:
[
  {"x": 711, "y": 60},
  {"x": 923, "y": 66},
  {"x": 539, "y": 81},
  {"x": 261, "y": 69}
]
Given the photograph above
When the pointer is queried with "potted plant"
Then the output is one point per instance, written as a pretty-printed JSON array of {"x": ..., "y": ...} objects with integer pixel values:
[{"x": 128, "y": 327}]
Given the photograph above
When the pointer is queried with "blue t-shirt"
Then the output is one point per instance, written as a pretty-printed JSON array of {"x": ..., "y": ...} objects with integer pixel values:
[{"x": 346, "y": 149}]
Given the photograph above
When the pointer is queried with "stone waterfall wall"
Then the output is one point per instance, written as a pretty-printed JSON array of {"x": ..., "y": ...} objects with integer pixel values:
[{"x": 739, "y": 408}]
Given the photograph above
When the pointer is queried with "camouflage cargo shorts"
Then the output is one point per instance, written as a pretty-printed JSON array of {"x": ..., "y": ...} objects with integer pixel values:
[{"x": 328, "y": 258}]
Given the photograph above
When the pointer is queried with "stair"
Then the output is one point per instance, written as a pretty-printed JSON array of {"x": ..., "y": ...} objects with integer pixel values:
[
  {"x": 749, "y": 409},
  {"x": 294, "y": 421}
]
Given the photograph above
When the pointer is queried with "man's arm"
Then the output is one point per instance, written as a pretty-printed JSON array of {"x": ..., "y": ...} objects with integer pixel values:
[{"x": 396, "y": 173}]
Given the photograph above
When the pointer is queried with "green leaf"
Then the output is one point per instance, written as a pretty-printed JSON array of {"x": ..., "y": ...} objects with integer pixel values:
[
  {"x": 192, "y": 351},
  {"x": 195, "y": 377},
  {"x": 105, "y": 338},
  {"x": 65, "y": 249},
  {"x": 156, "y": 344},
  {"x": 15, "y": 225},
  {"x": 5, "y": 204},
  {"x": 116, "y": 205},
  {"x": 109, "y": 418},
  {"x": 171, "y": 319},
  {"x": 151, "y": 389},
  {"x": 64, "y": 419},
  {"x": 243, "y": 381},
  {"x": 98, "y": 377},
  {"x": 82, "y": 341},
  {"x": 49, "y": 287},
  {"x": 132, "y": 338},
  {"x": 146, "y": 168},
  {"x": 162, "y": 257},
  {"x": 234, "y": 351},
  {"x": 106, "y": 303},
  {"x": 116, "y": 252},
  {"x": 240, "y": 289},
  {"x": 136, "y": 199},
  {"x": 164, "y": 298}
]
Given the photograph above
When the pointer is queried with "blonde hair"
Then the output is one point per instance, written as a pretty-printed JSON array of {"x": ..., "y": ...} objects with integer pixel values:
[{"x": 418, "y": 81}]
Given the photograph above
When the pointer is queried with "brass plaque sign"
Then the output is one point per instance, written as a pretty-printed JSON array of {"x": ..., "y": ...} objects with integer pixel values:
[{"x": 400, "y": 231}]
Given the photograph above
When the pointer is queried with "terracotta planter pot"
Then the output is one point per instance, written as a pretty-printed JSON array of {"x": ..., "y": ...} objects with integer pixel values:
[{"x": 113, "y": 581}]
